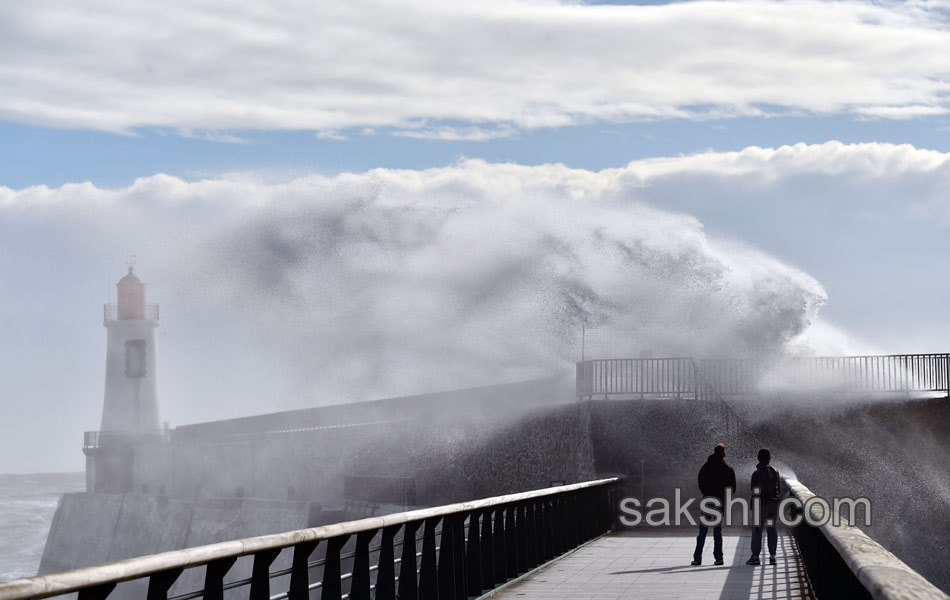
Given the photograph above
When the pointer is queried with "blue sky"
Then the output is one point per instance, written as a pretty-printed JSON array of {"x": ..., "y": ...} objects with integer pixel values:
[
  {"x": 341, "y": 201},
  {"x": 32, "y": 155}
]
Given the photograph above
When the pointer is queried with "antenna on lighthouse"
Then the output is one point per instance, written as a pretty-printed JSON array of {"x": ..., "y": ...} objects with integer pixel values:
[{"x": 131, "y": 260}]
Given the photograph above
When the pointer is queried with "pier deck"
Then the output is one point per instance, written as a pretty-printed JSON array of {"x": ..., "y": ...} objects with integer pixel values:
[{"x": 642, "y": 563}]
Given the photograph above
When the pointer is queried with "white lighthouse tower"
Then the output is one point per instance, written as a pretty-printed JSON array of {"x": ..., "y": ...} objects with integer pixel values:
[
  {"x": 130, "y": 406},
  {"x": 127, "y": 452}
]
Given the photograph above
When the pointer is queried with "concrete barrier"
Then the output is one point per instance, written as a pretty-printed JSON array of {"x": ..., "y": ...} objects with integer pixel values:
[{"x": 880, "y": 574}]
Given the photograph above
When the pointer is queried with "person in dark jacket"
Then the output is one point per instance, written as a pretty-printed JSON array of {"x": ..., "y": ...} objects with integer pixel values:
[
  {"x": 766, "y": 490},
  {"x": 715, "y": 477}
]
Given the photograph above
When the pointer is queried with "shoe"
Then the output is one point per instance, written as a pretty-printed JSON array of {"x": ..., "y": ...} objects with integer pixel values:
[
  {"x": 771, "y": 560},
  {"x": 718, "y": 562},
  {"x": 696, "y": 563},
  {"x": 753, "y": 561}
]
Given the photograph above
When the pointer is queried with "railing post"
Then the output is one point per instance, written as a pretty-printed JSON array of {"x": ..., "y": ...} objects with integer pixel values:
[
  {"x": 511, "y": 542},
  {"x": 547, "y": 550},
  {"x": 501, "y": 546},
  {"x": 360, "y": 585},
  {"x": 587, "y": 517},
  {"x": 553, "y": 525},
  {"x": 428, "y": 573},
  {"x": 386, "y": 573},
  {"x": 260, "y": 574},
  {"x": 560, "y": 526},
  {"x": 473, "y": 555},
  {"x": 332, "y": 588},
  {"x": 522, "y": 529},
  {"x": 159, "y": 583},
  {"x": 96, "y": 592},
  {"x": 488, "y": 552},
  {"x": 567, "y": 514},
  {"x": 579, "y": 380},
  {"x": 214, "y": 578},
  {"x": 458, "y": 549},
  {"x": 532, "y": 534},
  {"x": 599, "y": 505},
  {"x": 300, "y": 572},
  {"x": 448, "y": 568},
  {"x": 408, "y": 576},
  {"x": 574, "y": 519}
]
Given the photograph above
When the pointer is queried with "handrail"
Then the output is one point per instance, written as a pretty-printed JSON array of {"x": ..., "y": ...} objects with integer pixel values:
[
  {"x": 638, "y": 377},
  {"x": 882, "y": 575},
  {"x": 733, "y": 422},
  {"x": 538, "y": 503},
  {"x": 664, "y": 377}
]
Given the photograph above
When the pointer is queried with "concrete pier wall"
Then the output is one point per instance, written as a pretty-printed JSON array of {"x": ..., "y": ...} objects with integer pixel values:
[{"x": 91, "y": 529}]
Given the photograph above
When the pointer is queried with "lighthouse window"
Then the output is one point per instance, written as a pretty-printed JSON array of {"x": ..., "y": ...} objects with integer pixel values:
[{"x": 135, "y": 358}]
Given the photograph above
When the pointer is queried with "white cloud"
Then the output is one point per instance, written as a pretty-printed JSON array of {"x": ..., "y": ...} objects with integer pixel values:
[
  {"x": 331, "y": 135},
  {"x": 106, "y": 64},
  {"x": 449, "y": 133},
  {"x": 214, "y": 136},
  {"x": 830, "y": 158}
]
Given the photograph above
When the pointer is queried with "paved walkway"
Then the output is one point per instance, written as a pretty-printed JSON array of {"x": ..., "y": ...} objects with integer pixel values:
[{"x": 655, "y": 564}]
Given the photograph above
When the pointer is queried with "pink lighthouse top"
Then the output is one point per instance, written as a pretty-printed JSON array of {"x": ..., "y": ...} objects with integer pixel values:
[{"x": 131, "y": 297}]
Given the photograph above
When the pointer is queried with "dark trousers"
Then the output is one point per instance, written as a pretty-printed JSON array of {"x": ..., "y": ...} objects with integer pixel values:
[
  {"x": 701, "y": 541},
  {"x": 769, "y": 514}
]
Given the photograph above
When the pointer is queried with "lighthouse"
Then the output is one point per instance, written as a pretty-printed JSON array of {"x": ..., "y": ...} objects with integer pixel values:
[
  {"x": 117, "y": 456},
  {"x": 130, "y": 405}
]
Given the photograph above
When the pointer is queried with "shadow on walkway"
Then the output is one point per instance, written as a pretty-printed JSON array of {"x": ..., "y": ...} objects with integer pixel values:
[{"x": 741, "y": 578}]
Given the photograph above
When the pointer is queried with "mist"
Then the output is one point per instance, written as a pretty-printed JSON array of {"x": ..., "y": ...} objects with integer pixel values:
[{"x": 427, "y": 281}]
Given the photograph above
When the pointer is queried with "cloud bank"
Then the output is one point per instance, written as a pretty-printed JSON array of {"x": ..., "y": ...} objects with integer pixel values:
[{"x": 461, "y": 70}]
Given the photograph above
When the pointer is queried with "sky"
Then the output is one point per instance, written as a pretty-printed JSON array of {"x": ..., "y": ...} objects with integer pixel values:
[{"x": 343, "y": 201}]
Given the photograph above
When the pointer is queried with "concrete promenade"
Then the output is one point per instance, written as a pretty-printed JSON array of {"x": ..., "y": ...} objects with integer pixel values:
[{"x": 644, "y": 563}]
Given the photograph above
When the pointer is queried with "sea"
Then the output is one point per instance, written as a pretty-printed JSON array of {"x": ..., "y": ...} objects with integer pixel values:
[{"x": 27, "y": 505}]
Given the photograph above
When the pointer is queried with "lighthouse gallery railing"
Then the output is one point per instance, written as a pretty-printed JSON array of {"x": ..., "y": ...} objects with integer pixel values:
[{"x": 110, "y": 312}]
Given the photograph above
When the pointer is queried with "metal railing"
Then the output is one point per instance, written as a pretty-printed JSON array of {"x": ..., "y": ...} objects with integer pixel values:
[
  {"x": 95, "y": 439},
  {"x": 653, "y": 378},
  {"x": 899, "y": 373},
  {"x": 641, "y": 377},
  {"x": 467, "y": 549},
  {"x": 843, "y": 562},
  {"x": 714, "y": 379},
  {"x": 110, "y": 312},
  {"x": 90, "y": 439},
  {"x": 732, "y": 377}
]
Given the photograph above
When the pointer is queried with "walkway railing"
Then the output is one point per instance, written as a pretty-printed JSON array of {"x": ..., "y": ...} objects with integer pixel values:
[
  {"x": 712, "y": 379},
  {"x": 467, "y": 549},
  {"x": 899, "y": 373},
  {"x": 652, "y": 378},
  {"x": 843, "y": 562},
  {"x": 642, "y": 377}
]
